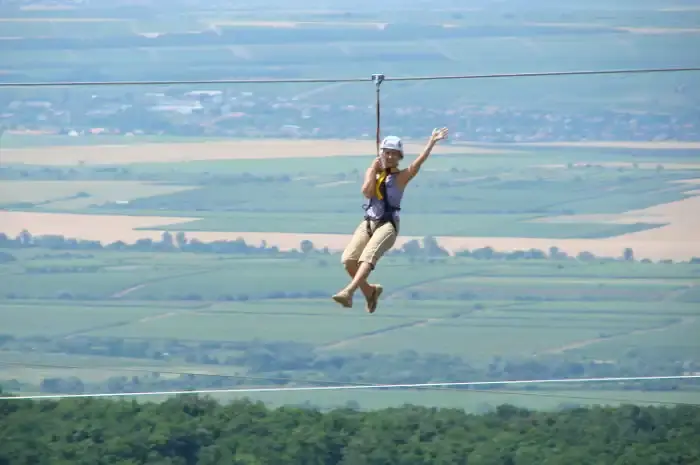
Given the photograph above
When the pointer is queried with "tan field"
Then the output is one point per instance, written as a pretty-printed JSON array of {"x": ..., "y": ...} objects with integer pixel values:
[
  {"x": 680, "y": 234},
  {"x": 659, "y": 30},
  {"x": 293, "y": 24},
  {"x": 229, "y": 150},
  {"x": 631, "y": 29},
  {"x": 642, "y": 145},
  {"x": 282, "y": 24},
  {"x": 672, "y": 242},
  {"x": 643, "y": 166},
  {"x": 61, "y": 20},
  {"x": 47, "y": 8}
]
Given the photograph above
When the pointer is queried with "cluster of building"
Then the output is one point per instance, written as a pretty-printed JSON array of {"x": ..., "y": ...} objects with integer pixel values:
[{"x": 252, "y": 114}]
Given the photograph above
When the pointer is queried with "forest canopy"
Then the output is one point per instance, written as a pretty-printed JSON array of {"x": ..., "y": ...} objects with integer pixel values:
[{"x": 195, "y": 430}]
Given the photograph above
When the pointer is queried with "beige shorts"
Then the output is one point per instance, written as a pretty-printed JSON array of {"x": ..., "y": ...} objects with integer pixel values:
[{"x": 363, "y": 248}]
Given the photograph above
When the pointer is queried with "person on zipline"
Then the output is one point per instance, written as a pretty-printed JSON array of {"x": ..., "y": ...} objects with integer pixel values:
[{"x": 384, "y": 186}]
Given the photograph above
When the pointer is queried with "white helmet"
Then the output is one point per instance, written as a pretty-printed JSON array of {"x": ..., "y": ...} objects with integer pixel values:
[{"x": 392, "y": 143}]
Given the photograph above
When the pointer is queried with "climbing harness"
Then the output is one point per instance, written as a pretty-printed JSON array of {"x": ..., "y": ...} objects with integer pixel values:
[{"x": 388, "y": 211}]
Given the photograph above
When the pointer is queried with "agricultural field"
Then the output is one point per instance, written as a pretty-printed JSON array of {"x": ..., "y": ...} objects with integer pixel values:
[
  {"x": 105, "y": 317},
  {"x": 580, "y": 199},
  {"x": 471, "y": 401},
  {"x": 131, "y": 44}
]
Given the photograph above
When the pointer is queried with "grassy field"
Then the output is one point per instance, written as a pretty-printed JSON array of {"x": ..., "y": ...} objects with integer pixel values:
[
  {"x": 80, "y": 194},
  {"x": 33, "y": 367},
  {"x": 459, "y": 296},
  {"x": 680, "y": 337},
  {"x": 60, "y": 320},
  {"x": 475, "y": 311},
  {"x": 470, "y": 401},
  {"x": 46, "y": 275}
]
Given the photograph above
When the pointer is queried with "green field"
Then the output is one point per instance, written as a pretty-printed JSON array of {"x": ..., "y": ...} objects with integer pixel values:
[
  {"x": 50, "y": 320},
  {"x": 478, "y": 311},
  {"x": 470, "y": 401},
  {"x": 77, "y": 195}
]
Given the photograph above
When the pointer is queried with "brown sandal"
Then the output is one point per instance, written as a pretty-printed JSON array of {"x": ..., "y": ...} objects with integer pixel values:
[
  {"x": 373, "y": 300},
  {"x": 343, "y": 299}
]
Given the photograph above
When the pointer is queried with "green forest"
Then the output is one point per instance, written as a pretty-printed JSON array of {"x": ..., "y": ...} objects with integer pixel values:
[{"x": 193, "y": 430}]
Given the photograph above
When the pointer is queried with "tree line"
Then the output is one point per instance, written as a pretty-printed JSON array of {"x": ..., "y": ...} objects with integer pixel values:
[
  {"x": 428, "y": 247},
  {"x": 195, "y": 430},
  {"x": 284, "y": 362}
]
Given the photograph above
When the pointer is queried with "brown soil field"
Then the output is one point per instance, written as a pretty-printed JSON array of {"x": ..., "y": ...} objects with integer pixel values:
[
  {"x": 229, "y": 150},
  {"x": 680, "y": 234},
  {"x": 672, "y": 242},
  {"x": 90, "y": 227}
]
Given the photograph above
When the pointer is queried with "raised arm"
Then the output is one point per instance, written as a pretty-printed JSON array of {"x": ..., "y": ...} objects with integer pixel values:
[
  {"x": 414, "y": 168},
  {"x": 371, "y": 178}
]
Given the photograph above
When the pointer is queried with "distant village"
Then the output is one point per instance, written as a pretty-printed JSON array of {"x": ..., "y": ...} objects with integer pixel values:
[{"x": 233, "y": 113}]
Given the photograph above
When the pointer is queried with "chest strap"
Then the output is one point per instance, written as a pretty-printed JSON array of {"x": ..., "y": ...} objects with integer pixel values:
[{"x": 380, "y": 192}]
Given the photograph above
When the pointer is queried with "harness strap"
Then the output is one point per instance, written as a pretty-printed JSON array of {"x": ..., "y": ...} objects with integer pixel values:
[{"x": 381, "y": 193}]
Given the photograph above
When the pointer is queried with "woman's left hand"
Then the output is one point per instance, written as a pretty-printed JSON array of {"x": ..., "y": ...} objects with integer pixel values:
[{"x": 439, "y": 134}]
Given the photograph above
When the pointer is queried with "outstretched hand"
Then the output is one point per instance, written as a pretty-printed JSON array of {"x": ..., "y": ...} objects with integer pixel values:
[{"x": 439, "y": 134}]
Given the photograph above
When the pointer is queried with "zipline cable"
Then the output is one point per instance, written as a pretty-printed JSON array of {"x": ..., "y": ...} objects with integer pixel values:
[
  {"x": 346, "y": 387},
  {"x": 340, "y": 80},
  {"x": 327, "y": 382}
]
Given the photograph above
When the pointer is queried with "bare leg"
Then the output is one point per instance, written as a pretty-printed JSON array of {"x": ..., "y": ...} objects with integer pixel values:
[
  {"x": 344, "y": 297},
  {"x": 352, "y": 267},
  {"x": 360, "y": 277}
]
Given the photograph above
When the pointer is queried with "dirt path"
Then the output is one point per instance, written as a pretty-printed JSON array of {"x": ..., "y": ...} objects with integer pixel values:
[
  {"x": 344, "y": 343},
  {"x": 118, "y": 324},
  {"x": 131, "y": 289},
  {"x": 143, "y": 284},
  {"x": 122, "y": 293},
  {"x": 636, "y": 332},
  {"x": 363, "y": 336},
  {"x": 398, "y": 290}
]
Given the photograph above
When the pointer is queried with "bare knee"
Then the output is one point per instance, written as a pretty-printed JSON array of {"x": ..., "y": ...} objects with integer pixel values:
[{"x": 351, "y": 266}]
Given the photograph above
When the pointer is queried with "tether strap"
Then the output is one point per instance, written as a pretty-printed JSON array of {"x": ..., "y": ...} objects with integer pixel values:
[
  {"x": 378, "y": 120},
  {"x": 378, "y": 79}
]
